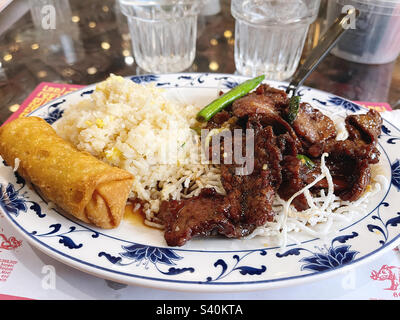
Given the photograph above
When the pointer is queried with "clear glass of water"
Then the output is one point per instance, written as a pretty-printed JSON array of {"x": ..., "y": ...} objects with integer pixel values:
[
  {"x": 163, "y": 33},
  {"x": 270, "y": 35}
]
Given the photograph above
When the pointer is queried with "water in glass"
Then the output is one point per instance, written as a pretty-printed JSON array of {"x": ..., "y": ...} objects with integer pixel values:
[
  {"x": 270, "y": 35},
  {"x": 163, "y": 33}
]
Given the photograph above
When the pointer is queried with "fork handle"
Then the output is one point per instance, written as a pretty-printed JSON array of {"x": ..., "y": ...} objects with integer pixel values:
[{"x": 327, "y": 42}]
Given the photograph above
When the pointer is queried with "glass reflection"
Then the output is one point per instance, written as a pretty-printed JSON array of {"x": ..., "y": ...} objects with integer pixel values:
[{"x": 57, "y": 31}]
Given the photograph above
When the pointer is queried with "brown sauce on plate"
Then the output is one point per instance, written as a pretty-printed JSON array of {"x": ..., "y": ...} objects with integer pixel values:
[{"x": 134, "y": 217}]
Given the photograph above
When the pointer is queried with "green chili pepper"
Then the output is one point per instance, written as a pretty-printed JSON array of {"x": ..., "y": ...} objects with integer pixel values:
[
  {"x": 226, "y": 99},
  {"x": 306, "y": 160},
  {"x": 294, "y": 105}
]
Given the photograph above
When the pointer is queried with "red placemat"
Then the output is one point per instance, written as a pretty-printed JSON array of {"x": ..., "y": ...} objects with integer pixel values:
[
  {"x": 378, "y": 106},
  {"x": 44, "y": 92}
]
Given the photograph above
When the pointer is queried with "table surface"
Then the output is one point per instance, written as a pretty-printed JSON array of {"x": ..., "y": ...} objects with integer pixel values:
[{"x": 101, "y": 45}]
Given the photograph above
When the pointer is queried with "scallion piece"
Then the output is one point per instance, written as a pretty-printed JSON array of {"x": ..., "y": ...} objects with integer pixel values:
[
  {"x": 306, "y": 160},
  {"x": 294, "y": 105}
]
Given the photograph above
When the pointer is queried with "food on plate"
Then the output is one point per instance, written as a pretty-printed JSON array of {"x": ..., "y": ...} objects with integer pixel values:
[
  {"x": 75, "y": 181},
  {"x": 226, "y": 99},
  {"x": 296, "y": 156},
  {"x": 304, "y": 172},
  {"x": 143, "y": 130}
]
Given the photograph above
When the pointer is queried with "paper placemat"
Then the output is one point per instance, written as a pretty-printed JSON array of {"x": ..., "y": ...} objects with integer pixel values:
[{"x": 43, "y": 93}]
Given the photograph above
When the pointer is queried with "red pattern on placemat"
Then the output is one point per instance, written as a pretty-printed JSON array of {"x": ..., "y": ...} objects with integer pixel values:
[
  {"x": 9, "y": 243},
  {"x": 378, "y": 106},
  {"x": 8, "y": 297},
  {"x": 43, "y": 93},
  {"x": 390, "y": 275}
]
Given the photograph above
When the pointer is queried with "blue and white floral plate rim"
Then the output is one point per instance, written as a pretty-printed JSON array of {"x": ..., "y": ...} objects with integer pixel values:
[{"x": 217, "y": 265}]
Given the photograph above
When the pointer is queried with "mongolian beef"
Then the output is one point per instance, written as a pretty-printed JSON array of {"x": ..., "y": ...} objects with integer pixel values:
[{"x": 288, "y": 147}]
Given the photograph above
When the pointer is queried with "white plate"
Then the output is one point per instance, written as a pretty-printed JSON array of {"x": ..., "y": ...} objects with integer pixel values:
[{"x": 137, "y": 255}]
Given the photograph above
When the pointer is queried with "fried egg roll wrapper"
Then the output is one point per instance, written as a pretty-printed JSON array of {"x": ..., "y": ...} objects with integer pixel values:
[{"x": 75, "y": 181}]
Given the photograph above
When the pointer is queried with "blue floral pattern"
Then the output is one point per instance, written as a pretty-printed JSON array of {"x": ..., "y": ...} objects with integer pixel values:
[
  {"x": 145, "y": 78},
  {"x": 325, "y": 258},
  {"x": 87, "y": 92},
  {"x": 139, "y": 253},
  {"x": 64, "y": 237},
  {"x": 15, "y": 203},
  {"x": 339, "y": 102},
  {"x": 228, "y": 82},
  {"x": 54, "y": 112},
  {"x": 191, "y": 80},
  {"x": 396, "y": 174},
  {"x": 145, "y": 255},
  {"x": 380, "y": 226},
  {"x": 329, "y": 259},
  {"x": 348, "y": 105},
  {"x": 387, "y": 133},
  {"x": 226, "y": 270}
]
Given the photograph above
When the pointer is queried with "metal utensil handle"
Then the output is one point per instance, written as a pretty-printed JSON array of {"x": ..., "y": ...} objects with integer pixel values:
[{"x": 327, "y": 42}]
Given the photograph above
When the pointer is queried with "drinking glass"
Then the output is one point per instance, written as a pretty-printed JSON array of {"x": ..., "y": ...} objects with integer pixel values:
[
  {"x": 270, "y": 35},
  {"x": 163, "y": 33},
  {"x": 375, "y": 36}
]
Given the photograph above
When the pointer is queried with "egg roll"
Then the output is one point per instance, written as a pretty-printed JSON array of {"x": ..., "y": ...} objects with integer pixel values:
[{"x": 77, "y": 182}]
